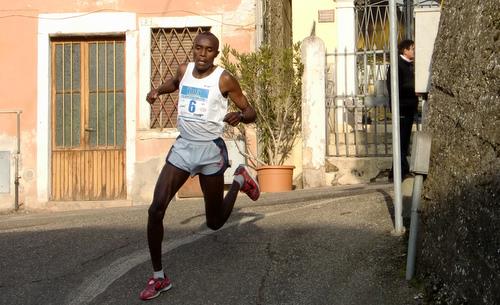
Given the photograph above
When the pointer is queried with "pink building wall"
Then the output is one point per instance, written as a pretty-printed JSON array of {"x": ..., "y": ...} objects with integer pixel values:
[{"x": 21, "y": 87}]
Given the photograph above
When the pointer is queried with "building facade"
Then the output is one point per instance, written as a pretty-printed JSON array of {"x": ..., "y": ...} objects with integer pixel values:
[{"x": 77, "y": 72}]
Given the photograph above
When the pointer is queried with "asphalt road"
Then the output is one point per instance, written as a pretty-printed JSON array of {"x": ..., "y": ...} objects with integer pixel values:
[{"x": 325, "y": 246}]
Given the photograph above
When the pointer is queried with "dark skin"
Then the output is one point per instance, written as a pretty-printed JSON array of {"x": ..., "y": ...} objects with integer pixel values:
[{"x": 217, "y": 207}]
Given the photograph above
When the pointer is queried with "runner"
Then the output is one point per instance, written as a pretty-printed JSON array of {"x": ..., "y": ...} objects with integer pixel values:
[{"x": 204, "y": 90}]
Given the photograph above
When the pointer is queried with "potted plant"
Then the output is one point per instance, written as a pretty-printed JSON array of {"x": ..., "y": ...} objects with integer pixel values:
[{"x": 271, "y": 79}]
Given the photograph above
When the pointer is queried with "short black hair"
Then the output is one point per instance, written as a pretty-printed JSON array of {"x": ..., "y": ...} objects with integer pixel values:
[
  {"x": 210, "y": 35},
  {"x": 405, "y": 45}
]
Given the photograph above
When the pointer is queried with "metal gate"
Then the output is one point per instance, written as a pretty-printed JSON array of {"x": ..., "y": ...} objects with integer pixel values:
[{"x": 359, "y": 123}]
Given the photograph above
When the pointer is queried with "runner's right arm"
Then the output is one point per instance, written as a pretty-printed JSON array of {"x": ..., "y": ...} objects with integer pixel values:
[{"x": 169, "y": 86}]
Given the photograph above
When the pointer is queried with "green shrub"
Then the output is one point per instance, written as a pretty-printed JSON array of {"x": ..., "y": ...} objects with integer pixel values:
[{"x": 272, "y": 81}]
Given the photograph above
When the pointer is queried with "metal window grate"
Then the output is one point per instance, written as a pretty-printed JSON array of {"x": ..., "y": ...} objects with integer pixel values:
[{"x": 170, "y": 47}]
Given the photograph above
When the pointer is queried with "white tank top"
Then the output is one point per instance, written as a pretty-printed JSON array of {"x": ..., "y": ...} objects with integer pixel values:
[{"x": 201, "y": 107}]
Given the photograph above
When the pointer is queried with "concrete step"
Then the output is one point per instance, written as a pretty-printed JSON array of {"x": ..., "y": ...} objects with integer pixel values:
[
  {"x": 360, "y": 137},
  {"x": 347, "y": 170},
  {"x": 370, "y": 149},
  {"x": 367, "y": 136},
  {"x": 381, "y": 127},
  {"x": 371, "y": 128}
]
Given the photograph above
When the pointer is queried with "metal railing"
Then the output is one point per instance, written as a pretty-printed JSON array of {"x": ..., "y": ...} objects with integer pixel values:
[{"x": 359, "y": 123}]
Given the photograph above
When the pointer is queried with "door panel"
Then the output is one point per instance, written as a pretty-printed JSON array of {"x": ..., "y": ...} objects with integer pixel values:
[
  {"x": 88, "y": 174},
  {"x": 88, "y": 119}
]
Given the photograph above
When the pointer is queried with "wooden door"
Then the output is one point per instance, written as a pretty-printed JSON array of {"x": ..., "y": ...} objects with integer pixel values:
[{"x": 88, "y": 119}]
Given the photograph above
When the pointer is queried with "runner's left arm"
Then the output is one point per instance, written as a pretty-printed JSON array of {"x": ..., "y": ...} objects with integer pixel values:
[{"x": 231, "y": 88}]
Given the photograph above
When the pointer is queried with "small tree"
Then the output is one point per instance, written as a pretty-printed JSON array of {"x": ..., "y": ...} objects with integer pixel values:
[{"x": 272, "y": 81}]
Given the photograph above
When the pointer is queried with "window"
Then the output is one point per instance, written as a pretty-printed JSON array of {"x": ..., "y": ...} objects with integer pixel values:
[
  {"x": 89, "y": 92},
  {"x": 170, "y": 47}
]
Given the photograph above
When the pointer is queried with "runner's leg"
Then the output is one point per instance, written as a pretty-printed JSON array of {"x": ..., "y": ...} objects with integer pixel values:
[
  {"x": 169, "y": 182},
  {"x": 217, "y": 208}
]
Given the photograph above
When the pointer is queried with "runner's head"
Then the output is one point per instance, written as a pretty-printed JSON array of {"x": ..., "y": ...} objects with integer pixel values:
[{"x": 205, "y": 50}]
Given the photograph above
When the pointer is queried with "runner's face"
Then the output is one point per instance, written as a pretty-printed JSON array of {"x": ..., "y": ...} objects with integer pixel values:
[{"x": 204, "y": 52}]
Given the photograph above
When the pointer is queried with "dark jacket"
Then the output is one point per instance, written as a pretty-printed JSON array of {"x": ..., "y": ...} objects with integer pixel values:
[{"x": 406, "y": 76}]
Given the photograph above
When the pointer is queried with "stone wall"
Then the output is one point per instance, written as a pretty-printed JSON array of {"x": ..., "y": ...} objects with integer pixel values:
[{"x": 461, "y": 213}]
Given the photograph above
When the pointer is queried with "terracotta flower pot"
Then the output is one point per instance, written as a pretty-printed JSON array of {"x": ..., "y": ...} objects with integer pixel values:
[{"x": 275, "y": 178}]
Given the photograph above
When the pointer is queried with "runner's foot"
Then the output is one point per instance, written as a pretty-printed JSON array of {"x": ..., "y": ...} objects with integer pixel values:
[
  {"x": 250, "y": 185},
  {"x": 155, "y": 287}
]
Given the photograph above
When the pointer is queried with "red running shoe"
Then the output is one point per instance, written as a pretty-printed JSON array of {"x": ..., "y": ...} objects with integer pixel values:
[
  {"x": 155, "y": 287},
  {"x": 250, "y": 185}
]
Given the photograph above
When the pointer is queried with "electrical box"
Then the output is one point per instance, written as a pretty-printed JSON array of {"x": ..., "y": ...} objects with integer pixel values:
[
  {"x": 4, "y": 172},
  {"x": 420, "y": 153},
  {"x": 426, "y": 29}
]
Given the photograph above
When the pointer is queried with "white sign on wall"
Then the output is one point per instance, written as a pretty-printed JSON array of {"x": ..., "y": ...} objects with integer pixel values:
[{"x": 426, "y": 28}]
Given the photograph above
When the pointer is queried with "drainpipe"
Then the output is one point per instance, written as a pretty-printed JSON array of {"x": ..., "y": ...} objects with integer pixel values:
[
  {"x": 18, "y": 156},
  {"x": 412, "y": 240},
  {"x": 396, "y": 151},
  {"x": 419, "y": 164}
]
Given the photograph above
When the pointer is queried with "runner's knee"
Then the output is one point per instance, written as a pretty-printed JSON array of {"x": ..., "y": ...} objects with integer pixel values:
[{"x": 156, "y": 213}]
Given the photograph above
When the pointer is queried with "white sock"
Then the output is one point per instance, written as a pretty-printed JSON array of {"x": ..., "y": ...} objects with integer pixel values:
[
  {"x": 159, "y": 274},
  {"x": 239, "y": 179}
]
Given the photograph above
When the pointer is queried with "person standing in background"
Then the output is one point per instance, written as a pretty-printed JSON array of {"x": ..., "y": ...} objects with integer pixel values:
[{"x": 408, "y": 100}]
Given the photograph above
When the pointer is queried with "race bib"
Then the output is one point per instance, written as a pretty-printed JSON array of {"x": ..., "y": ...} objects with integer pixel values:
[{"x": 193, "y": 103}]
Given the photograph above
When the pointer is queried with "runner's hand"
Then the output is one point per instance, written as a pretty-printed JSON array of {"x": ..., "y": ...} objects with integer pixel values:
[
  {"x": 152, "y": 96},
  {"x": 233, "y": 118}
]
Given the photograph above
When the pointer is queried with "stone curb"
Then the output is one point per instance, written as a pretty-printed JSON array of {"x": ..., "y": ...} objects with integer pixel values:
[{"x": 320, "y": 193}]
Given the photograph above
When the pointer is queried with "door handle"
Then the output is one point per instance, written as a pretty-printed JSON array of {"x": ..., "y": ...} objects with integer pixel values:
[{"x": 89, "y": 129}]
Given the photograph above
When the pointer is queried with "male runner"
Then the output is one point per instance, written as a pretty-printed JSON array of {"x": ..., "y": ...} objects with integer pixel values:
[{"x": 204, "y": 90}]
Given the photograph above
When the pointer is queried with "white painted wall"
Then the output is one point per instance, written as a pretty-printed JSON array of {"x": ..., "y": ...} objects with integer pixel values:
[
  {"x": 345, "y": 78},
  {"x": 426, "y": 28},
  {"x": 305, "y": 14},
  {"x": 346, "y": 42}
]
